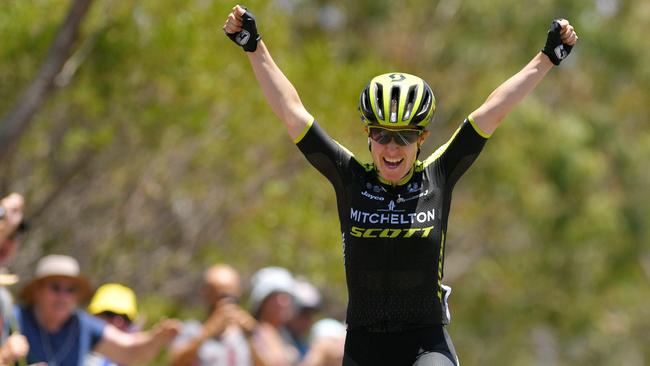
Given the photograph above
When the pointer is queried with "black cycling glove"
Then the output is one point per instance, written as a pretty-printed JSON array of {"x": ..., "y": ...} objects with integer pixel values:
[
  {"x": 554, "y": 48},
  {"x": 248, "y": 37}
]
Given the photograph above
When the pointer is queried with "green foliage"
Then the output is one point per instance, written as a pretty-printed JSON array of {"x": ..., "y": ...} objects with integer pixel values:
[{"x": 161, "y": 157}]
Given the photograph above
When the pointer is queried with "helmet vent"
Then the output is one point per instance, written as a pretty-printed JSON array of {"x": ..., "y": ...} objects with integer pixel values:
[
  {"x": 424, "y": 107},
  {"x": 410, "y": 101},
  {"x": 394, "y": 103},
  {"x": 365, "y": 106},
  {"x": 379, "y": 101}
]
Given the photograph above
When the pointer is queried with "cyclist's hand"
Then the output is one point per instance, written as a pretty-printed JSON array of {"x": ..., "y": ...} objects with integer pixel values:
[
  {"x": 560, "y": 40},
  {"x": 241, "y": 28}
]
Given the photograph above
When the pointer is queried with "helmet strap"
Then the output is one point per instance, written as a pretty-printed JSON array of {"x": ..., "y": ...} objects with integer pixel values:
[
  {"x": 369, "y": 145},
  {"x": 418, "y": 154}
]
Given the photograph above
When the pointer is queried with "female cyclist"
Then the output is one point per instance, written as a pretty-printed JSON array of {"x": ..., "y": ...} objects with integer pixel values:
[{"x": 393, "y": 211}]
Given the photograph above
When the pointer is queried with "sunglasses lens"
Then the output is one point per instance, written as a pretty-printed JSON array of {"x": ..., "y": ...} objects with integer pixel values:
[
  {"x": 402, "y": 138},
  {"x": 380, "y": 135}
]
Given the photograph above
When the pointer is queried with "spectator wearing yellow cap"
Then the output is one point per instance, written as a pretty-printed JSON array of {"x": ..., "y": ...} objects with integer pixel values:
[
  {"x": 117, "y": 305},
  {"x": 272, "y": 301}
]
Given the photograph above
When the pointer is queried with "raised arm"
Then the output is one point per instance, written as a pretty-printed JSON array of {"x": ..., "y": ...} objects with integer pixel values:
[
  {"x": 278, "y": 90},
  {"x": 141, "y": 347},
  {"x": 561, "y": 38}
]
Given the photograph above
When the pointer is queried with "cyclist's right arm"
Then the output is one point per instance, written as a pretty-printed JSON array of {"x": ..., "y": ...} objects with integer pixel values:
[{"x": 278, "y": 90}]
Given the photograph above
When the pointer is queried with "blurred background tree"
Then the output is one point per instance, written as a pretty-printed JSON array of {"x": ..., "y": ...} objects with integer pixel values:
[{"x": 158, "y": 157}]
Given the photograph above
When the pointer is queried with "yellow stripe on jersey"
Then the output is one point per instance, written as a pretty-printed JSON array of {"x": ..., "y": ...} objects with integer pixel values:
[
  {"x": 478, "y": 130},
  {"x": 440, "y": 256},
  {"x": 304, "y": 132},
  {"x": 441, "y": 150}
]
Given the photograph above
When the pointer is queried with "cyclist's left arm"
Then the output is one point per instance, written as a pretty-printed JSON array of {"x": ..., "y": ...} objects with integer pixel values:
[{"x": 502, "y": 100}]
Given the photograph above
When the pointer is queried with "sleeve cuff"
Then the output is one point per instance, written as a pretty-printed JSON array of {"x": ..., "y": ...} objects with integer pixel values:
[
  {"x": 304, "y": 132},
  {"x": 478, "y": 130}
]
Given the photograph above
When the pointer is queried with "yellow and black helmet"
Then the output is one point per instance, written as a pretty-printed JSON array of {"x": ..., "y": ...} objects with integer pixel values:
[{"x": 397, "y": 99}]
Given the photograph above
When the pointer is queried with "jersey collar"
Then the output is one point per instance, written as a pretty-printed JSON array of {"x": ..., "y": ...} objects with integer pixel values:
[{"x": 402, "y": 181}]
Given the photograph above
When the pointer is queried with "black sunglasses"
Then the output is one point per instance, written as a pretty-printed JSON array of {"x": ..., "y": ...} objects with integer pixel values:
[
  {"x": 110, "y": 314},
  {"x": 402, "y": 137}
]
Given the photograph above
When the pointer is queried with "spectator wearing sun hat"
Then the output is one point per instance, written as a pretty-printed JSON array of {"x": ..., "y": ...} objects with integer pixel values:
[
  {"x": 60, "y": 333},
  {"x": 272, "y": 301}
]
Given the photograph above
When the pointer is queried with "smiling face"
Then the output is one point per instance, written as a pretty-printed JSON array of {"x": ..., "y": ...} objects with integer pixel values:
[{"x": 393, "y": 160}]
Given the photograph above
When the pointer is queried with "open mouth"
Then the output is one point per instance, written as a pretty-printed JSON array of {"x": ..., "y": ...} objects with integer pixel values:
[{"x": 392, "y": 163}]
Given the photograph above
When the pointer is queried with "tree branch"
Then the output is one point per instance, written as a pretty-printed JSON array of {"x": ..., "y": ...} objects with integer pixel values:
[{"x": 15, "y": 123}]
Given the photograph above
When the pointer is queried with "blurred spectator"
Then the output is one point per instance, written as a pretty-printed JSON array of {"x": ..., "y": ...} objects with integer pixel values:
[
  {"x": 307, "y": 305},
  {"x": 221, "y": 340},
  {"x": 61, "y": 334},
  {"x": 11, "y": 225},
  {"x": 272, "y": 303},
  {"x": 13, "y": 345},
  {"x": 327, "y": 342},
  {"x": 117, "y": 305}
]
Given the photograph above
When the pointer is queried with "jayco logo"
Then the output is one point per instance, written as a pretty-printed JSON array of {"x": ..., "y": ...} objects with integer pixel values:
[{"x": 371, "y": 196}]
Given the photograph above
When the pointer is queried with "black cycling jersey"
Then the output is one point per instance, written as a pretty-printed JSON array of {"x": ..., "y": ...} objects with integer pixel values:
[
  {"x": 427, "y": 346},
  {"x": 393, "y": 235}
]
